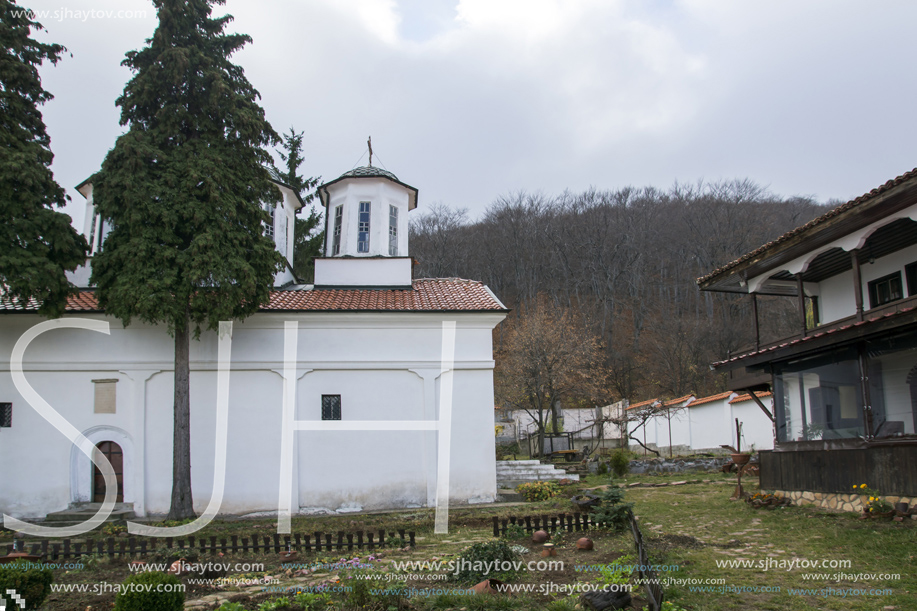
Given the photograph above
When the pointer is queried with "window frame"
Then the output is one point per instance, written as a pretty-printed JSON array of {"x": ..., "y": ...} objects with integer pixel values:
[
  {"x": 335, "y": 410},
  {"x": 873, "y": 289},
  {"x": 910, "y": 278},
  {"x": 269, "y": 227},
  {"x": 336, "y": 231},
  {"x": 393, "y": 230},
  {"x": 364, "y": 227}
]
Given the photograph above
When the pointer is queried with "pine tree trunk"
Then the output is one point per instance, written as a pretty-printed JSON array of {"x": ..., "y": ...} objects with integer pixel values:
[{"x": 182, "y": 504}]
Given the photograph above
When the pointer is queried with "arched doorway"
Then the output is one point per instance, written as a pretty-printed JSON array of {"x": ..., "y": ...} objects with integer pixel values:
[{"x": 112, "y": 451}]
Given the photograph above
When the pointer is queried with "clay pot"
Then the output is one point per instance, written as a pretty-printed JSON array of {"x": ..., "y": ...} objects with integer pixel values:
[
  {"x": 540, "y": 536},
  {"x": 489, "y": 586},
  {"x": 15, "y": 556},
  {"x": 548, "y": 550},
  {"x": 585, "y": 544},
  {"x": 741, "y": 459}
]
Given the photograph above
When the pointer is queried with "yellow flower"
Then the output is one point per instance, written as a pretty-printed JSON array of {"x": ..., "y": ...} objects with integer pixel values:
[{"x": 862, "y": 485}]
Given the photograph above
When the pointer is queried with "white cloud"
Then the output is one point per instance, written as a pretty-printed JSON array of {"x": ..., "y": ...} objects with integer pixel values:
[{"x": 468, "y": 99}]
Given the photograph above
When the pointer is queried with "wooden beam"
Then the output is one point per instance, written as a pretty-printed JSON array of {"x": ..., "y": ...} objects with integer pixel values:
[
  {"x": 857, "y": 283},
  {"x": 763, "y": 407},
  {"x": 754, "y": 309},
  {"x": 802, "y": 304}
]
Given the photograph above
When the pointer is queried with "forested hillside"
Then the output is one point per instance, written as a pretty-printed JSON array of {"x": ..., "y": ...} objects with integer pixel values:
[{"x": 625, "y": 262}]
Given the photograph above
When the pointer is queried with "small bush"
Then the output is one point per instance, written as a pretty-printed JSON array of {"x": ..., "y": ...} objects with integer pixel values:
[
  {"x": 480, "y": 557},
  {"x": 538, "y": 491},
  {"x": 620, "y": 462},
  {"x": 617, "y": 574},
  {"x": 513, "y": 532},
  {"x": 228, "y": 606},
  {"x": 151, "y": 591},
  {"x": 613, "y": 512},
  {"x": 29, "y": 581},
  {"x": 312, "y": 601},
  {"x": 563, "y": 604},
  {"x": 602, "y": 469},
  {"x": 367, "y": 589}
]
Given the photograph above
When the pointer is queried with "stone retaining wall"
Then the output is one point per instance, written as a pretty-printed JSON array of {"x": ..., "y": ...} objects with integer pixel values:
[
  {"x": 837, "y": 501},
  {"x": 677, "y": 465}
]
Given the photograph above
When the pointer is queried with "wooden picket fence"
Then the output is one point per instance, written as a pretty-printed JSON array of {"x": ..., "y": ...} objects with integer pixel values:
[
  {"x": 68, "y": 549},
  {"x": 575, "y": 522}
]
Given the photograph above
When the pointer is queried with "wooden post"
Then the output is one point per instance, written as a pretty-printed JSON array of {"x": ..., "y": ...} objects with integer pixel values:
[
  {"x": 754, "y": 309},
  {"x": 802, "y": 303},
  {"x": 857, "y": 283}
]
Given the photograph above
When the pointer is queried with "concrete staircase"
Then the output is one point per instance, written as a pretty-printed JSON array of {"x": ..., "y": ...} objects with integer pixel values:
[
  {"x": 511, "y": 473},
  {"x": 80, "y": 512}
]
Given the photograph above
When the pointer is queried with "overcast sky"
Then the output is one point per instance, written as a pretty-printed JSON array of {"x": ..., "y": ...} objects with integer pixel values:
[{"x": 471, "y": 99}]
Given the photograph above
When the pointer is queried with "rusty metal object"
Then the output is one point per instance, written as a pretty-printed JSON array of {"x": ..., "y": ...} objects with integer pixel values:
[
  {"x": 586, "y": 501},
  {"x": 585, "y": 544}
]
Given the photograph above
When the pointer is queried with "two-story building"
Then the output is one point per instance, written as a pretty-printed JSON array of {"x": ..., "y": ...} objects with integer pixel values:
[{"x": 845, "y": 384}]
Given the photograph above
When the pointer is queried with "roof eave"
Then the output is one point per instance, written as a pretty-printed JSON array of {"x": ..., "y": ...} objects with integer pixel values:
[{"x": 821, "y": 231}]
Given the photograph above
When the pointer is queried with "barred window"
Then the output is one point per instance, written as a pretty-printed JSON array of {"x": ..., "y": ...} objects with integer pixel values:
[
  {"x": 336, "y": 234},
  {"x": 6, "y": 415},
  {"x": 269, "y": 227},
  {"x": 392, "y": 231},
  {"x": 331, "y": 407},
  {"x": 363, "y": 228}
]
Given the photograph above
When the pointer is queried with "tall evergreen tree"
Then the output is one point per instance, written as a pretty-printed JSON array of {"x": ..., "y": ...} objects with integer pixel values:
[
  {"x": 308, "y": 237},
  {"x": 184, "y": 190},
  {"x": 37, "y": 243}
]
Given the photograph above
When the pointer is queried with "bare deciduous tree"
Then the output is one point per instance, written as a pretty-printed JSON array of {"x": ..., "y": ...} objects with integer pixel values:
[{"x": 549, "y": 355}]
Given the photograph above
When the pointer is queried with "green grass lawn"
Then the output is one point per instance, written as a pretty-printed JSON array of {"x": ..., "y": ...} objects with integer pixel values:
[{"x": 693, "y": 527}]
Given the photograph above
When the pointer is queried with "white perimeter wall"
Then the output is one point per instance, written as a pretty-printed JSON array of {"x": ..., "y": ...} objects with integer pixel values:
[
  {"x": 710, "y": 425},
  {"x": 384, "y": 366}
]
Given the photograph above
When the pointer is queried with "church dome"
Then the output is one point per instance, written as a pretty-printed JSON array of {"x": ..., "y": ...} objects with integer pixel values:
[{"x": 368, "y": 170}]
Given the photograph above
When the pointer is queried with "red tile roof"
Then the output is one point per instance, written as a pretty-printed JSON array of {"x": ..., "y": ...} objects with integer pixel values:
[
  {"x": 747, "y": 397},
  {"x": 711, "y": 398},
  {"x": 642, "y": 403},
  {"x": 668, "y": 403},
  {"x": 427, "y": 295},
  {"x": 672, "y": 402},
  {"x": 813, "y": 223},
  {"x": 815, "y": 334}
]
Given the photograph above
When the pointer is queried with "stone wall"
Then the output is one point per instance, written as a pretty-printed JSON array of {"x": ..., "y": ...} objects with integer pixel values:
[
  {"x": 837, "y": 501},
  {"x": 677, "y": 465}
]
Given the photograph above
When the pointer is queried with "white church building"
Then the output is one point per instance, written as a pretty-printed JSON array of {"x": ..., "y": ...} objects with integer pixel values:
[{"x": 371, "y": 345}]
